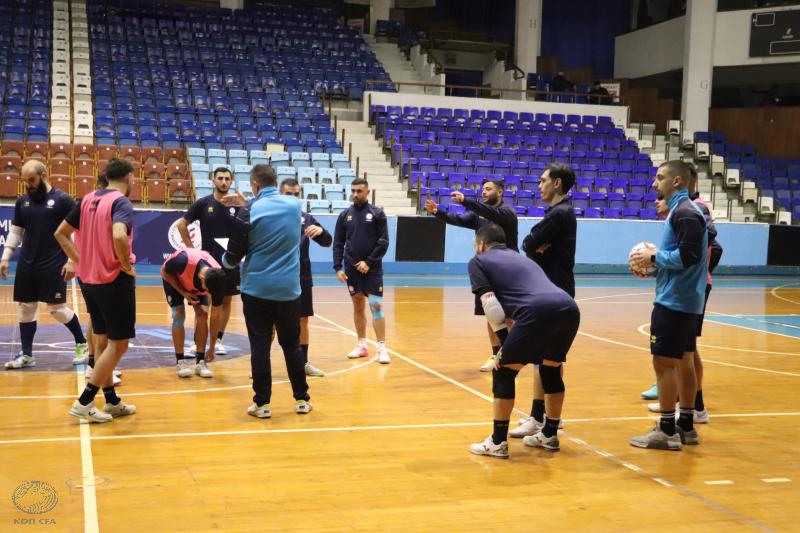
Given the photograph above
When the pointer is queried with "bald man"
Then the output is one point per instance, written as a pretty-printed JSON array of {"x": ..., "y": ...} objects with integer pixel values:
[{"x": 42, "y": 268}]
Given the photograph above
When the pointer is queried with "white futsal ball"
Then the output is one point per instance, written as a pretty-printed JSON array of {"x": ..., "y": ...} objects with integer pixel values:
[{"x": 642, "y": 247}]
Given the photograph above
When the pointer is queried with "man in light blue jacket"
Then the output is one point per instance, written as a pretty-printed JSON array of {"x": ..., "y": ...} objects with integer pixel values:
[
  {"x": 682, "y": 263},
  {"x": 268, "y": 234}
]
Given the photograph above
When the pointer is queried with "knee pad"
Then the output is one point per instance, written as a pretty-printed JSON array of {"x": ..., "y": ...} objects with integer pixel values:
[
  {"x": 552, "y": 382},
  {"x": 503, "y": 383},
  {"x": 27, "y": 311},
  {"x": 376, "y": 306},
  {"x": 178, "y": 316},
  {"x": 61, "y": 312}
]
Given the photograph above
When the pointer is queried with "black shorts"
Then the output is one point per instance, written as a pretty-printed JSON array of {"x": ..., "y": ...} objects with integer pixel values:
[
  {"x": 545, "y": 338},
  {"x": 367, "y": 284},
  {"x": 112, "y": 307},
  {"x": 48, "y": 287},
  {"x": 479, "y": 306},
  {"x": 233, "y": 281},
  {"x": 703, "y": 316},
  {"x": 672, "y": 333},
  {"x": 175, "y": 299},
  {"x": 306, "y": 298}
]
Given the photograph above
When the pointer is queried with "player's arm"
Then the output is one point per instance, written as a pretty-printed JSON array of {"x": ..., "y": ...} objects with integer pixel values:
[
  {"x": 689, "y": 228},
  {"x": 13, "y": 240},
  {"x": 183, "y": 229},
  {"x": 122, "y": 248},
  {"x": 339, "y": 238},
  {"x": 238, "y": 229},
  {"x": 462, "y": 220},
  {"x": 542, "y": 235},
  {"x": 315, "y": 231},
  {"x": 501, "y": 214},
  {"x": 215, "y": 320},
  {"x": 382, "y": 246},
  {"x": 482, "y": 287}
]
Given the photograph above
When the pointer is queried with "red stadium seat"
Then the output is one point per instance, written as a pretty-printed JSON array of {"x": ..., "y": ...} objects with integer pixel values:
[
  {"x": 156, "y": 190},
  {"x": 137, "y": 190},
  {"x": 131, "y": 153},
  {"x": 174, "y": 155},
  {"x": 60, "y": 166},
  {"x": 61, "y": 151},
  {"x": 37, "y": 150},
  {"x": 106, "y": 152},
  {"x": 10, "y": 164},
  {"x": 85, "y": 168},
  {"x": 152, "y": 154},
  {"x": 9, "y": 147},
  {"x": 153, "y": 170},
  {"x": 84, "y": 151},
  {"x": 9, "y": 185},
  {"x": 61, "y": 181},
  {"x": 84, "y": 185},
  {"x": 176, "y": 171},
  {"x": 179, "y": 190}
]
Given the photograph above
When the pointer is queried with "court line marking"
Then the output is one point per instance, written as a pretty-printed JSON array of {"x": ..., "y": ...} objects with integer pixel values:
[
  {"x": 642, "y": 329},
  {"x": 788, "y": 286},
  {"x": 647, "y": 475},
  {"x": 91, "y": 522},
  {"x": 776, "y": 480},
  {"x": 719, "y": 482},
  {"x": 45, "y": 440},
  {"x": 780, "y": 372}
]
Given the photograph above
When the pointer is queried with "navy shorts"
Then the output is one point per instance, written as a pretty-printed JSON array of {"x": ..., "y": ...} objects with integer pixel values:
[
  {"x": 306, "y": 298},
  {"x": 548, "y": 338},
  {"x": 48, "y": 287},
  {"x": 672, "y": 333},
  {"x": 367, "y": 284},
  {"x": 112, "y": 307},
  {"x": 703, "y": 316},
  {"x": 233, "y": 281},
  {"x": 175, "y": 299}
]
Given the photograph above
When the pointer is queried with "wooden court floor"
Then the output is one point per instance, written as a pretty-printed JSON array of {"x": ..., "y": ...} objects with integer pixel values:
[{"x": 385, "y": 448}]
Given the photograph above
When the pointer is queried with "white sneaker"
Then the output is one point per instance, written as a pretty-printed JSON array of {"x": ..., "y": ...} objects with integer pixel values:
[
  {"x": 383, "y": 356},
  {"x": 530, "y": 427},
  {"x": 488, "y": 366},
  {"x": 121, "y": 409},
  {"x": 540, "y": 441},
  {"x": 523, "y": 420},
  {"x": 21, "y": 361},
  {"x": 313, "y": 371},
  {"x": 658, "y": 440},
  {"x": 202, "y": 370},
  {"x": 488, "y": 447},
  {"x": 259, "y": 412},
  {"x": 701, "y": 417},
  {"x": 80, "y": 353},
  {"x": 185, "y": 369},
  {"x": 219, "y": 349},
  {"x": 358, "y": 351},
  {"x": 303, "y": 407},
  {"x": 655, "y": 407},
  {"x": 90, "y": 413},
  {"x": 88, "y": 372}
]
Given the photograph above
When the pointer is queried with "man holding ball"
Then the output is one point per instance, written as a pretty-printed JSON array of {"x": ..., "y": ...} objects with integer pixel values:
[{"x": 682, "y": 269}]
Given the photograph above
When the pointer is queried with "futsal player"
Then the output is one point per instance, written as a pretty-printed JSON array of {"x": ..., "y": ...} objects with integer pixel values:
[
  {"x": 311, "y": 229},
  {"x": 194, "y": 275},
  {"x": 546, "y": 320},
  {"x": 551, "y": 244},
  {"x": 682, "y": 263},
  {"x": 102, "y": 252},
  {"x": 714, "y": 256},
  {"x": 490, "y": 210},
  {"x": 360, "y": 241},
  {"x": 211, "y": 214},
  {"x": 43, "y": 269},
  {"x": 268, "y": 234}
]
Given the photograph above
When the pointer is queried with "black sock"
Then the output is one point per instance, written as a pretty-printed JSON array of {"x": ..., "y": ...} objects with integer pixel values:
[
  {"x": 537, "y": 410},
  {"x": 698, "y": 401},
  {"x": 178, "y": 356},
  {"x": 26, "y": 332},
  {"x": 550, "y": 426},
  {"x": 219, "y": 335},
  {"x": 199, "y": 356},
  {"x": 686, "y": 418},
  {"x": 500, "y": 432},
  {"x": 304, "y": 352},
  {"x": 74, "y": 326},
  {"x": 495, "y": 349},
  {"x": 90, "y": 360},
  {"x": 111, "y": 395},
  {"x": 667, "y": 422},
  {"x": 88, "y": 394}
]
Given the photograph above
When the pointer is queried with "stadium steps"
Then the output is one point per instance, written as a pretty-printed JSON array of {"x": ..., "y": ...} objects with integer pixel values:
[{"x": 397, "y": 66}]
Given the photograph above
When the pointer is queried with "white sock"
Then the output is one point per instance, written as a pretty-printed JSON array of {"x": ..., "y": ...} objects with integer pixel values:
[
  {"x": 382, "y": 345},
  {"x": 362, "y": 343}
]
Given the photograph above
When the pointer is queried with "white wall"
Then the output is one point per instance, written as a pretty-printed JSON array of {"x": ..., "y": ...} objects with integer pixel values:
[
  {"x": 659, "y": 48},
  {"x": 619, "y": 114},
  {"x": 464, "y": 60},
  {"x": 732, "y": 40},
  {"x": 426, "y": 70},
  {"x": 649, "y": 51}
]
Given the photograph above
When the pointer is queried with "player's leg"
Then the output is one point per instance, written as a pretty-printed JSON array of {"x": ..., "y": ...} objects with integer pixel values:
[
  {"x": 53, "y": 291},
  {"x": 201, "y": 316},
  {"x": 494, "y": 341},
  {"x": 307, "y": 310},
  {"x": 183, "y": 365},
  {"x": 359, "y": 298},
  {"x": 700, "y": 412},
  {"x": 27, "y": 297},
  {"x": 259, "y": 318},
  {"x": 504, "y": 392},
  {"x": 375, "y": 299},
  {"x": 287, "y": 326},
  {"x": 232, "y": 288}
]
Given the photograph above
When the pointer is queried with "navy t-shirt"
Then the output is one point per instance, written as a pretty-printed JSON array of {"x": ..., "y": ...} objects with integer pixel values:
[
  {"x": 211, "y": 214},
  {"x": 121, "y": 212},
  {"x": 40, "y": 252},
  {"x": 178, "y": 264},
  {"x": 323, "y": 240},
  {"x": 361, "y": 234},
  {"x": 519, "y": 284}
]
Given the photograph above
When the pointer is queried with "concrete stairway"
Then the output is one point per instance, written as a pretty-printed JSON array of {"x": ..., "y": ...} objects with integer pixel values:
[
  {"x": 396, "y": 65},
  {"x": 390, "y": 193}
]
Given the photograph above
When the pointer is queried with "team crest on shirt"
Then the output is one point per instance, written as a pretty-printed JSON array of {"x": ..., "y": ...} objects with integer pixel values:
[
  {"x": 369, "y": 216},
  {"x": 50, "y": 203},
  {"x": 211, "y": 209},
  {"x": 653, "y": 339},
  {"x": 26, "y": 204},
  {"x": 232, "y": 211},
  {"x": 57, "y": 295},
  {"x": 349, "y": 218},
  {"x": 302, "y": 220}
]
